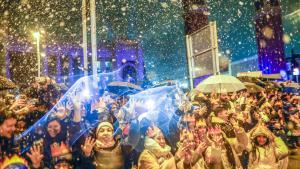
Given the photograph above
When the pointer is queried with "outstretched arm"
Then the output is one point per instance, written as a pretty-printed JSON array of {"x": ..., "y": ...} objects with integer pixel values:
[{"x": 281, "y": 149}]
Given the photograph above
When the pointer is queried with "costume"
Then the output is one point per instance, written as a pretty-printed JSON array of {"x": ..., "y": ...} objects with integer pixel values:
[
  {"x": 268, "y": 155},
  {"x": 195, "y": 160},
  {"x": 226, "y": 127},
  {"x": 223, "y": 151},
  {"x": 200, "y": 164},
  {"x": 109, "y": 158},
  {"x": 112, "y": 154},
  {"x": 154, "y": 155}
]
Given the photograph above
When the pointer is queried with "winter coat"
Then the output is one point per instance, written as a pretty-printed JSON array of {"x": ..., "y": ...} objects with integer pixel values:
[
  {"x": 223, "y": 156},
  {"x": 8, "y": 147},
  {"x": 156, "y": 157},
  {"x": 200, "y": 164},
  {"x": 148, "y": 160},
  {"x": 117, "y": 156},
  {"x": 111, "y": 158}
]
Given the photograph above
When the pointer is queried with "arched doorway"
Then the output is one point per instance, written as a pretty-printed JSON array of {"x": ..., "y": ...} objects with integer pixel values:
[{"x": 129, "y": 74}]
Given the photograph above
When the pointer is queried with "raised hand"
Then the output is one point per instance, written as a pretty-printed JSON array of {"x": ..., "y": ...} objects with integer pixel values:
[
  {"x": 35, "y": 156},
  {"x": 88, "y": 146},
  {"x": 202, "y": 110},
  {"x": 234, "y": 123},
  {"x": 27, "y": 109},
  {"x": 63, "y": 110},
  {"x": 19, "y": 103},
  {"x": 185, "y": 106},
  {"x": 98, "y": 104},
  {"x": 138, "y": 108},
  {"x": 181, "y": 151},
  {"x": 201, "y": 148},
  {"x": 31, "y": 107},
  {"x": 75, "y": 99}
]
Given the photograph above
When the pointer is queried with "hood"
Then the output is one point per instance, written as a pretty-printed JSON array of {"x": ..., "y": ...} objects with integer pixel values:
[
  {"x": 155, "y": 148},
  {"x": 261, "y": 130}
]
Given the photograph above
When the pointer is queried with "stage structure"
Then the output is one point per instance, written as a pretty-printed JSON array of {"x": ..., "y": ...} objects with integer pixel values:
[
  {"x": 201, "y": 41},
  {"x": 202, "y": 53}
]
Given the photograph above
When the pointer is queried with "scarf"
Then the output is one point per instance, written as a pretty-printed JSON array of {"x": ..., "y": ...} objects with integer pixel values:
[{"x": 100, "y": 145}]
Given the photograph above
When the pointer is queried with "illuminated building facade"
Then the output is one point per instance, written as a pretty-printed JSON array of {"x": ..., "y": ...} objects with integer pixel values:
[{"x": 269, "y": 36}]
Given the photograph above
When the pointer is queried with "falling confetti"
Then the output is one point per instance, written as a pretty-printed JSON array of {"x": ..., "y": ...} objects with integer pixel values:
[
  {"x": 286, "y": 39},
  {"x": 157, "y": 24}
]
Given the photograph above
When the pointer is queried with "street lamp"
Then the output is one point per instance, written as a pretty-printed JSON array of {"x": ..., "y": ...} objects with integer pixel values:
[{"x": 36, "y": 35}]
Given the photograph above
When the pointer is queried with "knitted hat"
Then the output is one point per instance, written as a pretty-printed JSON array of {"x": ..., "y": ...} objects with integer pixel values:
[{"x": 102, "y": 124}]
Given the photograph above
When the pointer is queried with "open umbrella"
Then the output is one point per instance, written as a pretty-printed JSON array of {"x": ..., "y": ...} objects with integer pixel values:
[
  {"x": 220, "y": 84},
  {"x": 6, "y": 83},
  {"x": 291, "y": 88},
  {"x": 123, "y": 88},
  {"x": 253, "y": 88},
  {"x": 165, "y": 83},
  {"x": 293, "y": 85},
  {"x": 270, "y": 85},
  {"x": 251, "y": 80}
]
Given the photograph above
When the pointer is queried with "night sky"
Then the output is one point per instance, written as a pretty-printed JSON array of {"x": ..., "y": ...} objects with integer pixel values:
[
  {"x": 236, "y": 29},
  {"x": 157, "y": 24},
  {"x": 291, "y": 22},
  {"x": 235, "y": 26},
  {"x": 236, "y": 35}
]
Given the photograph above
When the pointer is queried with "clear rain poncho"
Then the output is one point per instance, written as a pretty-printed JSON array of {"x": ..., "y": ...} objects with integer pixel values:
[{"x": 80, "y": 105}]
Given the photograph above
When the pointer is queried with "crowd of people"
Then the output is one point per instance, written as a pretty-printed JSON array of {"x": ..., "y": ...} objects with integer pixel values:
[{"x": 236, "y": 130}]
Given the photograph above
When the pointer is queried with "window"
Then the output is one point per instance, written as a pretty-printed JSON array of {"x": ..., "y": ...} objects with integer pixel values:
[{"x": 129, "y": 74}]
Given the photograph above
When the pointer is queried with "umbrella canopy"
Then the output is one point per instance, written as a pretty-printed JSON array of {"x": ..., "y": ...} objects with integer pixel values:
[
  {"x": 252, "y": 80},
  {"x": 272, "y": 85},
  {"x": 6, "y": 84},
  {"x": 293, "y": 85},
  {"x": 271, "y": 76},
  {"x": 165, "y": 83},
  {"x": 123, "y": 88},
  {"x": 220, "y": 84},
  {"x": 253, "y": 88},
  {"x": 291, "y": 88}
]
